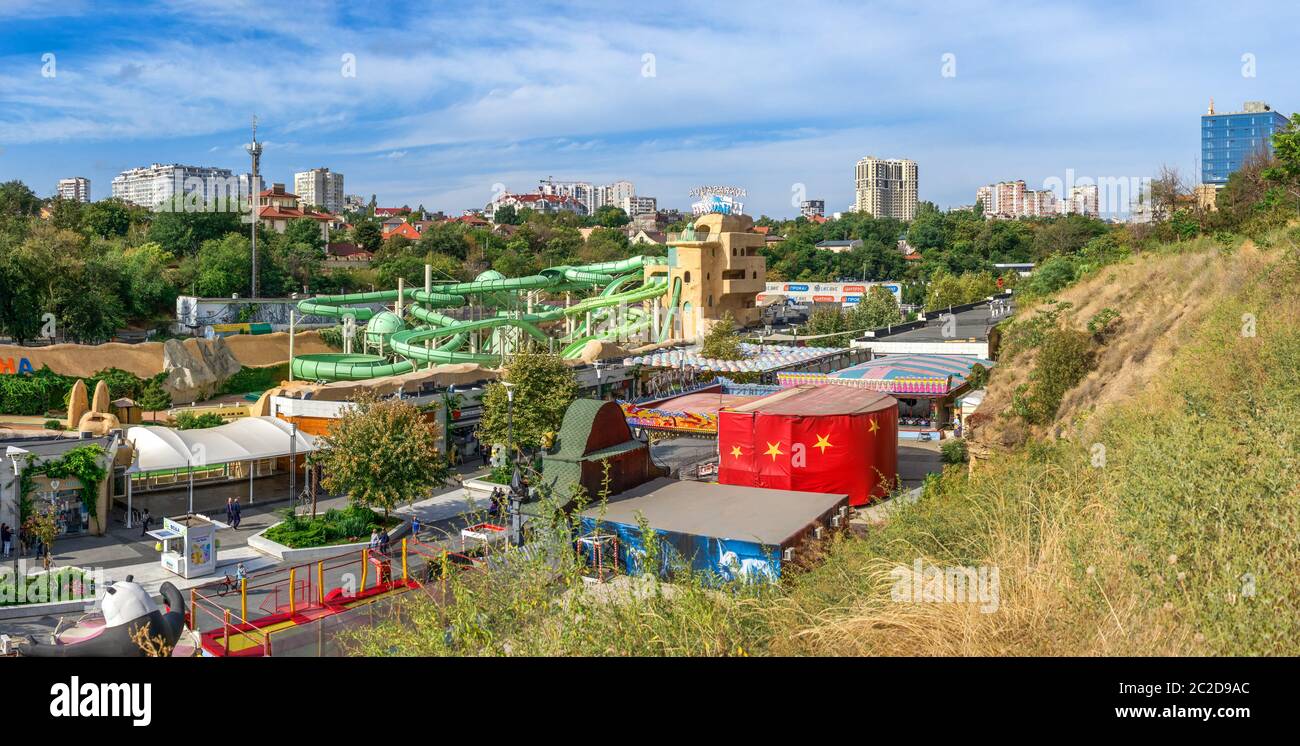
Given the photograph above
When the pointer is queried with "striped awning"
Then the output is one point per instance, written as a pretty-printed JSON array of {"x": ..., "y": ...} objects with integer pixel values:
[{"x": 934, "y": 375}]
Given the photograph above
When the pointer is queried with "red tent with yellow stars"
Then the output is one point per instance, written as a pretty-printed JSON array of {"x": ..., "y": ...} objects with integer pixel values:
[{"x": 831, "y": 439}]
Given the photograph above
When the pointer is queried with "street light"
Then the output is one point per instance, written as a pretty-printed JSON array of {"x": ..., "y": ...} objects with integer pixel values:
[
  {"x": 600, "y": 394},
  {"x": 15, "y": 455}
]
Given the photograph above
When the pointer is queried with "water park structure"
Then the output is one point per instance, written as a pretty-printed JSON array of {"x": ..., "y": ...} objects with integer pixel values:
[{"x": 712, "y": 268}]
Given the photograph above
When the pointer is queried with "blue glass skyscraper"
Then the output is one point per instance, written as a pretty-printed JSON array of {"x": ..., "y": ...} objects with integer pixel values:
[{"x": 1228, "y": 140}]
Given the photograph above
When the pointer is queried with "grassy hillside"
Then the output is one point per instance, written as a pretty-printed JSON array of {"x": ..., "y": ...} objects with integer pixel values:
[{"x": 1157, "y": 512}]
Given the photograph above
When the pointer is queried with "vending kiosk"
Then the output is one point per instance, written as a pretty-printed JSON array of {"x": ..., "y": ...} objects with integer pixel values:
[{"x": 189, "y": 544}]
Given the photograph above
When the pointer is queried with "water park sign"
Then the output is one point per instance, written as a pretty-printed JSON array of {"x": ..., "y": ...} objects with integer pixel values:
[
  {"x": 720, "y": 199},
  {"x": 7, "y": 365}
]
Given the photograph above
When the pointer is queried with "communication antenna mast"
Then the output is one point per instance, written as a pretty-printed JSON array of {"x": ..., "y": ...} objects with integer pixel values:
[{"x": 254, "y": 149}]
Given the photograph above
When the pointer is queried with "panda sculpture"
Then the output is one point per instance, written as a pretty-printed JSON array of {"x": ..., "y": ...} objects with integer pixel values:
[{"x": 126, "y": 607}]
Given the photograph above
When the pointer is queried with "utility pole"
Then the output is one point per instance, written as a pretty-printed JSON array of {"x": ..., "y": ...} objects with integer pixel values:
[{"x": 255, "y": 151}]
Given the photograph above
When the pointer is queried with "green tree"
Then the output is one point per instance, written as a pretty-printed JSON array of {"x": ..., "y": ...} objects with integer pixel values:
[
  {"x": 610, "y": 216},
  {"x": 182, "y": 226},
  {"x": 544, "y": 387},
  {"x": 721, "y": 342},
  {"x": 107, "y": 218},
  {"x": 381, "y": 453},
  {"x": 368, "y": 234},
  {"x": 1286, "y": 152},
  {"x": 877, "y": 308},
  {"x": 506, "y": 215}
]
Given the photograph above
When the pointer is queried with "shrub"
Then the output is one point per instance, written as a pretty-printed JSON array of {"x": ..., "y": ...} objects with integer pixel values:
[
  {"x": 353, "y": 523},
  {"x": 191, "y": 421},
  {"x": 255, "y": 379},
  {"x": 1104, "y": 324},
  {"x": 953, "y": 451},
  {"x": 1064, "y": 358},
  {"x": 53, "y": 425}
]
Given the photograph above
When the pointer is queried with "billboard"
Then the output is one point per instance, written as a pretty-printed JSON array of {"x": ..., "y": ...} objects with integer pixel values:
[
  {"x": 845, "y": 293},
  {"x": 719, "y": 199}
]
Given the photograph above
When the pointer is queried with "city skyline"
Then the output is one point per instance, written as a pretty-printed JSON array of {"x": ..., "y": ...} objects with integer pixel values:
[{"x": 577, "y": 94}]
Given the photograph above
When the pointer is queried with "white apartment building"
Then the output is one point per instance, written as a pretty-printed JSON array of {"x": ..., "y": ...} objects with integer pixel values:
[
  {"x": 886, "y": 188},
  {"x": 320, "y": 187},
  {"x": 155, "y": 185},
  {"x": 634, "y": 206},
  {"x": 76, "y": 189}
]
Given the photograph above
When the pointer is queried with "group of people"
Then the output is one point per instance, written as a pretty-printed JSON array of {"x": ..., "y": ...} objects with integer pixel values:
[
  {"x": 30, "y": 544},
  {"x": 379, "y": 541},
  {"x": 233, "y": 512}
]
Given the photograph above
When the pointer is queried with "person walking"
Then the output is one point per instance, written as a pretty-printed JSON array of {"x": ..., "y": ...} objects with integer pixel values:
[
  {"x": 6, "y": 536},
  {"x": 374, "y": 539},
  {"x": 383, "y": 543},
  {"x": 144, "y": 522},
  {"x": 415, "y": 526},
  {"x": 485, "y": 453},
  {"x": 238, "y": 513},
  {"x": 230, "y": 511}
]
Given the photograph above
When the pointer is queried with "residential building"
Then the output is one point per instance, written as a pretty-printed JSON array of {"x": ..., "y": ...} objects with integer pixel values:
[
  {"x": 634, "y": 205},
  {"x": 155, "y": 185},
  {"x": 544, "y": 203},
  {"x": 1010, "y": 200},
  {"x": 811, "y": 207},
  {"x": 886, "y": 188},
  {"x": 1084, "y": 200},
  {"x": 836, "y": 247},
  {"x": 354, "y": 203},
  {"x": 277, "y": 207},
  {"x": 320, "y": 187},
  {"x": 580, "y": 191},
  {"x": 614, "y": 194},
  {"x": 1229, "y": 139},
  {"x": 76, "y": 189}
]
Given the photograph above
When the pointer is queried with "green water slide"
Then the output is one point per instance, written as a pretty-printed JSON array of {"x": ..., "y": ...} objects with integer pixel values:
[{"x": 441, "y": 338}]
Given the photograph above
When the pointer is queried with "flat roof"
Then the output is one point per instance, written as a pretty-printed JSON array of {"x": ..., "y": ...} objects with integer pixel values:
[
  {"x": 725, "y": 511},
  {"x": 812, "y": 401},
  {"x": 701, "y": 401},
  {"x": 972, "y": 324}
]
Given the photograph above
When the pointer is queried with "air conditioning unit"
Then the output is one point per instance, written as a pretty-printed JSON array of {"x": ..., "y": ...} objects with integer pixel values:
[
  {"x": 788, "y": 555},
  {"x": 817, "y": 533},
  {"x": 836, "y": 521}
]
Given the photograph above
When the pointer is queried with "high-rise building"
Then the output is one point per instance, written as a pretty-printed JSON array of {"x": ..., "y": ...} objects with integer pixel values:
[
  {"x": 634, "y": 205},
  {"x": 1228, "y": 140},
  {"x": 1010, "y": 199},
  {"x": 320, "y": 187},
  {"x": 76, "y": 189},
  {"x": 154, "y": 186},
  {"x": 813, "y": 207},
  {"x": 886, "y": 188}
]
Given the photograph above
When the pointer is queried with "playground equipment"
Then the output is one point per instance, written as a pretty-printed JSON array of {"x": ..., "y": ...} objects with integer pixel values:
[
  {"x": 495, "y": 317},
  {"x": 298, "y": 611}
]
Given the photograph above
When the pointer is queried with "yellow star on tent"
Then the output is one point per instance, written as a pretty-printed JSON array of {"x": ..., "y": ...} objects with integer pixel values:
[
  {"x": 823, "y": 442},
  {"x": 774, "y": 450},
  {"x": 735, "y": 451},
  {"x": 874, "y": 427}
]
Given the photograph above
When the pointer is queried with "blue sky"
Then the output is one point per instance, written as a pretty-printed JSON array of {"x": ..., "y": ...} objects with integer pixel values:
[{"x": 452, "y": 98}]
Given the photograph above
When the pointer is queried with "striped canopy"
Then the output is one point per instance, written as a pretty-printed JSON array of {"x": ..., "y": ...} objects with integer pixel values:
[{"x": 934, "y": 375}]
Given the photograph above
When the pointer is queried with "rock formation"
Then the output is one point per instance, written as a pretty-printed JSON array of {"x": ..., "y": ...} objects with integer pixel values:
[
  {"x": 100, "y": 402},
  {"x": 77, "y": 404},
  {"x": 196, "y": 370}
]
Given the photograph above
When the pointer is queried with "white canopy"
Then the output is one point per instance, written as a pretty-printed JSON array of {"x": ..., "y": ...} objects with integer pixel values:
[{"x": 248, "y": 438}]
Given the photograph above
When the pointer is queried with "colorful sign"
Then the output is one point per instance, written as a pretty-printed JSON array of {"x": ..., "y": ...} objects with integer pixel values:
[
  {"x": 7, "y": 366},
  {"x": 829, "y": 292},
  {"x": 662, "y": 419},
  {"x": 719, "y": 199}
]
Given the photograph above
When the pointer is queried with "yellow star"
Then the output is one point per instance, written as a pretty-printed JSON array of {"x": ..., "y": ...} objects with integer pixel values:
[
  {"x": 823, "y": 442},
  {"x": 735, "y": 451},
  {"x": 874, "y": 427},
  {"x": 774, "y": 450}
]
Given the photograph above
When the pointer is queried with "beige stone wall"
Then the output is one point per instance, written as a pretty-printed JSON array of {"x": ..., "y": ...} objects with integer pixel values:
[{"x": 146, "y": 359}]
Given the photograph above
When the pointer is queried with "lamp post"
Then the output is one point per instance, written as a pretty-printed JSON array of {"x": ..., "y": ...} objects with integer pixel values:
[
  {"x": 293, "y": 466},
  {"x": 510, "y": 419},
  {"x": 15, "y": 455},
  {"x": 600, "y": 394}
]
